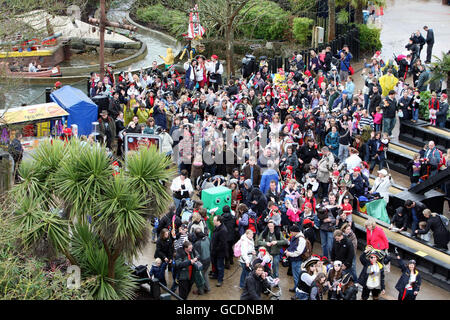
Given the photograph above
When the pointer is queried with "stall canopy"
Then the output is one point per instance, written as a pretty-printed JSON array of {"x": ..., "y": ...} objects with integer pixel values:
[
  {"x": 82, "y": 111},
  {"x": 45, "y": 111}
]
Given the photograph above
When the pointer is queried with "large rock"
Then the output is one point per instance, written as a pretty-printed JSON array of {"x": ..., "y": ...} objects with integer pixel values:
[{"x": 132, "y": 45}]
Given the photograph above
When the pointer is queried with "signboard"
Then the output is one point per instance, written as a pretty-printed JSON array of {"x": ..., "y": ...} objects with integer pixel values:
[
  {"x": 134, "y": 141},
  {"x": 34, "y": 113}
]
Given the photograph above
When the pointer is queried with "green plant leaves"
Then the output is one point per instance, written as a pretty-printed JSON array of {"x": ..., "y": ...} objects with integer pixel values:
[
  {"x": 369, "y": 37},
  {"x": 80, "y": 182}
]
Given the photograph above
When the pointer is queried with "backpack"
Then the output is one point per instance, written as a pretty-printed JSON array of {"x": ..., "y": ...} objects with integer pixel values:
[
  {"x": 307, "y": 253},
  {"x": 444, "y": 220},
  {"x": 251, "y": 224},
  {"x": 237, "y": 249}
]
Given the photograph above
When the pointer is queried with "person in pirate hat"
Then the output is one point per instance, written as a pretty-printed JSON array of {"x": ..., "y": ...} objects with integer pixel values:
[
  {"x": 371, "y": 277},
  {"x": 305, "y": 281}
]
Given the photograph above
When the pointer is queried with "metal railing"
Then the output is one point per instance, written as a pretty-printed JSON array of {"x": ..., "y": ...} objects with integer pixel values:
[{"x": 351, "y": 38}]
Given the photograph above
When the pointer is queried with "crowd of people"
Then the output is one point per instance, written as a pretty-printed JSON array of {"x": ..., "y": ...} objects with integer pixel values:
[{"x": 296, "y": 148}]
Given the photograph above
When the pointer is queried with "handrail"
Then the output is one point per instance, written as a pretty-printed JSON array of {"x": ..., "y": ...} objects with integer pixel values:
[{"x": 148, "y": 280}]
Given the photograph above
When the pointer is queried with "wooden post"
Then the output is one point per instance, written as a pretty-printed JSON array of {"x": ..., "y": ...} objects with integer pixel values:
[{"x": 102, "y": 37}]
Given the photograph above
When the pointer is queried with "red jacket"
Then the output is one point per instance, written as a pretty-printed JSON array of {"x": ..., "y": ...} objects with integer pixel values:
[{"x": 377, "y": 239}]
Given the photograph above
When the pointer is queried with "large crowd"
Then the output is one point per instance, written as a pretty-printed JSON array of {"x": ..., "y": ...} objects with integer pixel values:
[{"x": 297, "y": 149}]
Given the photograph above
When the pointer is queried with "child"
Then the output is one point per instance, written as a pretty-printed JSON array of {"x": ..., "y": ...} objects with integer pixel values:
[
  {"x": 158, "y": 271},
  {"x": 275, "y": 216},
  {"x": 415, "y": 106},
  {"x": 426, "y": 236},
  {"x": 377, "y": 119},
  {"x": 347, "y": 208},
  {"x": 155, "y": 227},
  {"x": 415, "y": 170},
  {"x": 433, "y": 106}
]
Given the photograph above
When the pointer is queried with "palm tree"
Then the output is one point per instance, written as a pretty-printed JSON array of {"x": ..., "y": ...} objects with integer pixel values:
[
  {"x": 98, "y": 221},
  {"x": 440, "y": 69}
]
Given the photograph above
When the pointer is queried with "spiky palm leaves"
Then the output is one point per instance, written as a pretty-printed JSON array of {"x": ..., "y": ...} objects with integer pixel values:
[{"x": 107, "y": 214}]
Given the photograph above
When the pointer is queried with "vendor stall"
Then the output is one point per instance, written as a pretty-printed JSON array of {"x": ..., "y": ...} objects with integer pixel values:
[{"x": 35, "y": 122}]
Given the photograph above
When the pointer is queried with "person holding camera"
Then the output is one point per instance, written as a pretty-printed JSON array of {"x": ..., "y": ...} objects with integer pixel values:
[
  {"x": 345, "y": 57},
  {"x": 187, "y": 263},
  {"x": 181, "y": 187},
  {"x": 255, "y": 283}
]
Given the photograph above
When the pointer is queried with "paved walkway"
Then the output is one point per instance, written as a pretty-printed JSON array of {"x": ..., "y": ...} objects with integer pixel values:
[{"x": 403, "y": 17}]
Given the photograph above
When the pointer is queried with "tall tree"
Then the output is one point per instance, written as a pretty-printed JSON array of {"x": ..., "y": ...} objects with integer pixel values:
[
  {"x": 331, "y": 20},
  {"x": 227, "y": 15}
]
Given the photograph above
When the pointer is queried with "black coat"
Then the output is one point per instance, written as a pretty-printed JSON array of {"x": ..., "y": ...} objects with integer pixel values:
[
  {"x": 441, "y": 115},
  {"x": 400, "y": 221},
  {"x": 404, "y": 278},
  {"x": 164, "y": 249},
  {"x": 419, "y": 211},
  {"x": 362, "y": 280},
  {"x": 358, "y": 189},
  {"x": 375, "y": 101},
  {"x": 430, "y": 37},
  {"x": 230, "y": 223},
  {"x": 440, "y": 232},
  {"x": 343, "y": 251},
  {"x": 389, "y": 111},
  {"x": 254, "y": 194},
  {"x": 253, "y": 287},
  {"x": 166, "y": 222},
  {"x": 219, "y": 239},
  {"x": 307, "y": 154}
]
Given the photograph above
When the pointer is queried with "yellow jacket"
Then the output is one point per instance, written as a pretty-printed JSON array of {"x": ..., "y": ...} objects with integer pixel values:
[{"x": 387, "y": 84}]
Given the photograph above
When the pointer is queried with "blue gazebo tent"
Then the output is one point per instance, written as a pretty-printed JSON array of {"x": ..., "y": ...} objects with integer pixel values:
[{"x": 82, "y": 111}]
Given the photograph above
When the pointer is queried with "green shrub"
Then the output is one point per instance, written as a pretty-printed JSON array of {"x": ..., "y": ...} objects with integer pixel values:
[
  {"x": 424, "y": 112},
  {"x": 174, "y": 21},
  {"x": 271, "y": 22},
  {"x": 369, "y": 37},
  {"x": 302, "y": 30}
]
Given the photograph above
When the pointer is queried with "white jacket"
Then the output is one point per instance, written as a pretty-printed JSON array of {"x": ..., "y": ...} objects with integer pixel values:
[
  {"x": 352, "y": 162},
  {"x": 166, "y": 142},
  {"x": 382, "y": 185},
  {"x": 247, "y": 248},
  {"x": 176, "y": 184}
]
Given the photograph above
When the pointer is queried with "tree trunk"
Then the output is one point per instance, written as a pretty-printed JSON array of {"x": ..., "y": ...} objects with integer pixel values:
[
  {"x": 331, "y": 20},
  {"x": 102, "y": 37},
  {"x": 229, "y": 38},
  {"x": 358, "y": 13}
]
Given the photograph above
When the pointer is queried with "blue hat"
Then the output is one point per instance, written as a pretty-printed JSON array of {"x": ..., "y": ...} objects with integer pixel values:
[
  {"x": 362, "y": 198},
  {"x": 345, "y": 92}
]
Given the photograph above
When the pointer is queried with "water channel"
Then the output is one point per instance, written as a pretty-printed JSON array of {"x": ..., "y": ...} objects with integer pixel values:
[{"x": 33, "y": 94}]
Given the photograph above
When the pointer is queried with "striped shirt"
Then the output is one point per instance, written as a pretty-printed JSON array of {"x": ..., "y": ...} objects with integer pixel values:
[{"x": 366, "y": 121}]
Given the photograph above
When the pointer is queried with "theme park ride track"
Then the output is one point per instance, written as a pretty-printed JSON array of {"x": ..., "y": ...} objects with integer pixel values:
[{"x": 433, "y": 263}]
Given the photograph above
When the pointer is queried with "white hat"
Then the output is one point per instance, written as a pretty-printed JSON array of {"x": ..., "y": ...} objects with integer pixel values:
[
  {"x": 383, "y": 172},
  {"x": 337, "y": 263}
]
